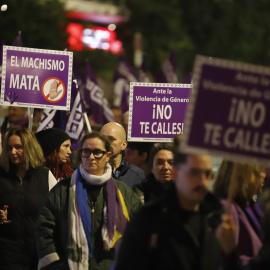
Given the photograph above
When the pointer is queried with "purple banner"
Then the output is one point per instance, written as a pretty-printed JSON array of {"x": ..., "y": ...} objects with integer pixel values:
[
  {"x": 157, "y": 111},
  {"x": 36, "y": 78},
  {"x": 124, "y": 74},
  {"x": 228, "y": 114},
  {"x": 95, "y": 99}
]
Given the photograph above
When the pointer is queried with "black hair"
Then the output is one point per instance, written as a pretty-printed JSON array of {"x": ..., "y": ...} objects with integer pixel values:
[
  {"x": 141, "y": 147},
  {"x": 158, "y": 147}
]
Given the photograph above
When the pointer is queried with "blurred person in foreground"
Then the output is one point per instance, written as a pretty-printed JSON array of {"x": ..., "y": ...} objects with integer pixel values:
[
  {"x": 177, "y": 231},
  {"x": 123, "y": 171},
  {"x": 56, "y": 146},
  {"x": 84, "y": 216},
  {"x": 235, "y": 186},
  {"x": 24, "y": 184},
  {"x": 226, "y": 234}
]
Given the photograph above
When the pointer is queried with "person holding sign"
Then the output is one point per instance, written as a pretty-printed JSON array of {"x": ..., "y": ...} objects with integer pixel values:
[
  {"x": 24, "y": 183},
  {"x": 235, "y": 186},
  {"x": 84, "y": 216},
  {"x": 226, "y": 234},
  {"x": 177, "y": 231}
]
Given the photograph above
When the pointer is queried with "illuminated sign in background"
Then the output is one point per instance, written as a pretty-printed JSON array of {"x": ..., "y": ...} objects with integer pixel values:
[{"x": 95, "y": 37}]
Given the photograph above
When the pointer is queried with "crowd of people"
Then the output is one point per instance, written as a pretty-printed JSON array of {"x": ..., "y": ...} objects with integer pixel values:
[{"x": 125, "y": 205}]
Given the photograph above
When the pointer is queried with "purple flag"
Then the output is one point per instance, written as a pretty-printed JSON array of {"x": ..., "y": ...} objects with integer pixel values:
[
  {"x": 94, "y": 98},
  {"x": 71, "y": 122},
  {"x": 123, "y": 76},
  {"x": 52, "y": 118},
  {"x": 167, "y": 73},
  {"x": 75, "y": 126}
]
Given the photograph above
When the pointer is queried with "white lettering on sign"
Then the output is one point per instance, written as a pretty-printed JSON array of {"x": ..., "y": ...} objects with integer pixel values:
[{"x": 26, "y": 82}]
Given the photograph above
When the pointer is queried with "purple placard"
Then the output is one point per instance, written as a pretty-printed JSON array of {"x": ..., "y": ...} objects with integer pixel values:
[
  {"x": 228, "y": 114},
  {"x": 36, "y": 78},
  {"x": 157, "y": 111}
]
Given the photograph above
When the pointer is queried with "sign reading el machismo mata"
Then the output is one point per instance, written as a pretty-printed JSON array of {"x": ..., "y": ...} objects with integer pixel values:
[
  {"x": 36, "y": 78},
  {"x": 157, "y": 111},
  {"x": 228, "y": 114}
]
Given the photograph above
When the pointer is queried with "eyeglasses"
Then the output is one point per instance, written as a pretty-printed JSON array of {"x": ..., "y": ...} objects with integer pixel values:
[
  {"x": 196, "y": 173},
  {"x": 98, "y": 154}
]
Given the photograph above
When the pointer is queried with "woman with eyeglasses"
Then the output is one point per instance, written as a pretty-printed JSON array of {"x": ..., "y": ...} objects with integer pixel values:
[
  {"x": 84, "y": 216},
  {"x": 24, "y": 184},
  {"x": 237, "y": 186},
  {"x": 56, "y": 146}
]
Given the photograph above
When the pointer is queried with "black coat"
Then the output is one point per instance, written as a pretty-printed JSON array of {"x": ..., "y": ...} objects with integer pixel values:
[
  {"x": 24, "y": 198},
  {"x": 159, "y": 238}
]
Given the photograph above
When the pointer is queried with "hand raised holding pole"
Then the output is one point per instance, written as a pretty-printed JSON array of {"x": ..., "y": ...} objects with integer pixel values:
[{"x": 3, "y": 215}]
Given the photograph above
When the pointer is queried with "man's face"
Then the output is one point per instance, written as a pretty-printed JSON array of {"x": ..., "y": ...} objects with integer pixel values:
[
  {"x": 162, "y": 165},
  {"x": 116, "y": 138},
  {"x": 16, "y": 113},
  {"x": 193, "y": 180},
  {"x": 132, "y": 156}
]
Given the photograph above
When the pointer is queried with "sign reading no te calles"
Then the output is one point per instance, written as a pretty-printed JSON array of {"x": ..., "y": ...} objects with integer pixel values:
[
  {"x": 229, "y": 112},
  {"x": 157, "y": 111},
  {"x": 36, "y": 78}
]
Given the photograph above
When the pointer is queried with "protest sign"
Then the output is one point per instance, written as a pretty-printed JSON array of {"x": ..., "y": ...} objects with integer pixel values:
[
  {"x": 157, "y": 111},
  {"x": 36, "y": 78},
  {"x": 228, "y": 114}
]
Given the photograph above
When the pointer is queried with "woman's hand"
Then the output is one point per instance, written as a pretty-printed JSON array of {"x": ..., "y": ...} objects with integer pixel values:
[
  {"x": 3, "y": 215},
  {"x": 225, "y": 233}
]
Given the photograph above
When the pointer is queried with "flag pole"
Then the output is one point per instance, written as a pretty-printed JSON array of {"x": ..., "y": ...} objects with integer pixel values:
[
  {"x": 30, "y": 118},
  {"x": 87, "y": 122}
]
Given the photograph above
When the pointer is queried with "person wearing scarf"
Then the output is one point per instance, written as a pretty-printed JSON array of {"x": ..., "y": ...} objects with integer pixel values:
[{"x": 84, "y": 217}]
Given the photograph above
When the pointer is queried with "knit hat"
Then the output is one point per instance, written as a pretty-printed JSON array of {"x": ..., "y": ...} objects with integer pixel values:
[{"x": 51, "y": 139}]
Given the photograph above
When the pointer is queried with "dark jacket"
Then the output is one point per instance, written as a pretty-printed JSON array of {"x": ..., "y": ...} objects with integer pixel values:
[
  {"x": 17, "y": 239},
  {"x": 153, "y": 189},
  {"x": 129, "y": 173},
  {"x": 160, "y": 237},
  {"x": 52, "y": 229}
]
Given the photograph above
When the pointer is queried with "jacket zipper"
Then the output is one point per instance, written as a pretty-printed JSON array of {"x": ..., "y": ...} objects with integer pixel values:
[{"x": 93, "y": 205}]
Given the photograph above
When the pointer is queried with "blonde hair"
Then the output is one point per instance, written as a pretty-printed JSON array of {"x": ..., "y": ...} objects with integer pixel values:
[
  {"x": 239, "y": 181},
  {"x": 32, "y": 150}
]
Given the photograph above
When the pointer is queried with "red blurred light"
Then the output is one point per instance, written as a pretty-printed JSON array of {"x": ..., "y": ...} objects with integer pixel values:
[{"x": 92, "y": 38}]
